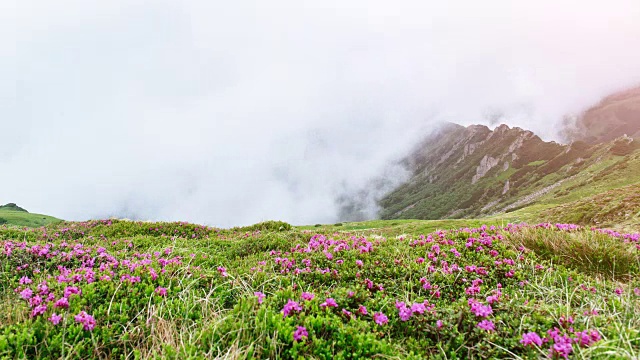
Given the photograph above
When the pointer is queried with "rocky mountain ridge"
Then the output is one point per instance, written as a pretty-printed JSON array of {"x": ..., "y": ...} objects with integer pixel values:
[{"x": 474, "y": 171}]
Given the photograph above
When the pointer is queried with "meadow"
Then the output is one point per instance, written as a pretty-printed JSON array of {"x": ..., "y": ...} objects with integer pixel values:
[{"x": 117, "y": 289}]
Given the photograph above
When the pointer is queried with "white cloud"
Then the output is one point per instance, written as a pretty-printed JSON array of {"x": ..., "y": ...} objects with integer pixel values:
[{"x": 229, "y": 113}]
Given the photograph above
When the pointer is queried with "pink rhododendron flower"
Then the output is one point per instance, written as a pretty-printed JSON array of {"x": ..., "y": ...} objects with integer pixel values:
[
  {"x": 301, "y": 332},
  {"x": 223, "y": 271},
  {"x": 71, "y": 290},
  {"x": 87, "y": 321},
  {"x": 587, "y": 338},
  {"x": 55, "y": 318},
  {"x": 307, "y": 296},
  {"x": 562, "y": 347},
  {"x": 26, "y": 294},
  {"x": 565, "y": 321},
  {"x": 289, "y": 307},
  {"x": 35, "y": 301},
  {"x": 618, "y": 291},
  {"x": 481, "y": 310},
  {"x": 329, "y": 302},
  {"x": 38, "y": 310},
  {"x": 486, "y": 325},
  {"x": 380, "y": 318},
  {"x": 161, "y": 291},
  {"x": 260, "y": 296},
  {"x": 531, "y": 338},
  {"x": 418, "y": 308},
  {"x": 346, "y": 312},
  {"x": 62, "y": 303}
]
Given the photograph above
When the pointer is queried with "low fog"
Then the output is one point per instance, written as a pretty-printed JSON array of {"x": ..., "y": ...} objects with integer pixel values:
[{"x": 232, "y": 112}]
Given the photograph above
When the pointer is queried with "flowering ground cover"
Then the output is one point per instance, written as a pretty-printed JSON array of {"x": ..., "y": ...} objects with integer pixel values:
[{"x": 119, "y": 289}]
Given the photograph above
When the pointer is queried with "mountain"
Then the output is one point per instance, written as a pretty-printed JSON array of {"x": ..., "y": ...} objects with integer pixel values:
[
  {"x": 478, "y": 172},
  {"x": 614, "y": 116},
  {"x": 12, "y": 214},
  {"x": 12, "y": 207}
]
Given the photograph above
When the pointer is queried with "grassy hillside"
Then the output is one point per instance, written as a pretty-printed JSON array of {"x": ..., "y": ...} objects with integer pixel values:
[
  {"x": 8, "y": 216},
  {"x": 475, "y": 172},
  {"x": 387, "y": 289}
]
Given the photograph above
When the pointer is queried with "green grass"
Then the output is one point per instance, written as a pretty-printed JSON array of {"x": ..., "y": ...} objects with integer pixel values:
[
  {"x": 543, "y": 275},
  {"x": 21, "y": 218},
  {"x": 537, "y": 163}
]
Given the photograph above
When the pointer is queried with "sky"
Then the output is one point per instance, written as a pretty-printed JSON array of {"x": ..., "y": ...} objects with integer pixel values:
[{"x": 229, "y": 113}]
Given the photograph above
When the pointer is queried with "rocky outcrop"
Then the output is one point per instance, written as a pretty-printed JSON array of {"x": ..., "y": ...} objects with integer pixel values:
[
  {"x": 487, "y": 163},
  {"x": 507, "y": 186}
]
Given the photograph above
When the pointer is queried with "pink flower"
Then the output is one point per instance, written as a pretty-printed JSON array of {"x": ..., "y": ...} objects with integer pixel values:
[
  {"x": 222, "y": 271},
  {"x": 380, "y": 318},
  {"x": 481, "y": 310},
  {"x": 71, "y": 290},
  {"x": 531, "y": 338},
  {"x": 260, "y": 296},
  {"x": 25, "y": 280},
  {"x": 289, "y": 307},
  {"x": 359, "y": 263},
  {"x": 587, "y": 338},
  {"x": 43, "y": 288},
  {"x": 26, "y": 294},
  {"x": 38, "y": 310},
  {"x": 486, "y": 325},
  {"x": 418, "y": 308},
  {"x": 618, "y": 291},
  {"x": 55, "y": 318},
  {"x": 87, "y": 321},
  {"x": 562, "y": 347},
  {"x": 161, "y": 291},
  {"x": 368, "y": 283},
  {"x": 35, "y": 301},
  {"x": 62, "y": 303},
  {"x": 362, "y": 310},
  {"x": 439, "y": 324},
  {"x": 329, "y": 302},
  {"x": 404, "y": 313},
  {"x": 346, "y": 313},
  {"x": 636, "y": 291},
  {"x": 300, "y": 332},
  {"x": 307, "y": 296},
  {"x": 564, "y": 321}
]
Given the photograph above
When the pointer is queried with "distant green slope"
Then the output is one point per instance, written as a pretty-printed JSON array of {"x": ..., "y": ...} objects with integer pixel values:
[
  {"x": 23, "y": 218},
  {"x": 474, "y": 172}
]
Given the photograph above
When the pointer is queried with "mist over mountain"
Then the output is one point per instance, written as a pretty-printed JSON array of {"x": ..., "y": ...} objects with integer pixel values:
[
  {"x": 614, "y": 116},
  {"x": 228, "y": 113},
  {"x": 476, "y": 171}
]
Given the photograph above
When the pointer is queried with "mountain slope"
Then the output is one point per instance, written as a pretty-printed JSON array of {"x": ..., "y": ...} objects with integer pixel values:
[
  {"x": 11, "y": 214},
  {"x": 614, "y": 116},
  {"x": 474, "y": 171}
]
